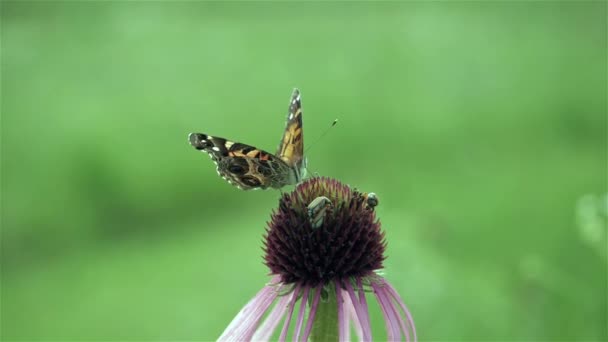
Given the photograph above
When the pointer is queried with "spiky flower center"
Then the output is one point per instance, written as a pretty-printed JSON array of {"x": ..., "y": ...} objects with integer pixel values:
[{"x": 322, "y": 231}]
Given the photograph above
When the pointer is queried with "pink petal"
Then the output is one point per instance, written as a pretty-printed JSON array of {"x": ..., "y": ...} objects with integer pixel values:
[
  {"x": 350, "y": 311},
  {"x": 395, "y": 313},
  {"x": 246, "y": 321},
  {"x": 392, "y": 326},
  {"x": 399, "y": 301},
  {"x": 292, "y": 305},
  {"x": 313, "y": 312},
  {"x": 364, "y": 308},
  {"x": 297, "y": 331},
  {"x": 343, "y": 326},
  {"x": 264, "y": 332},
  {"x": 362, "y": 316}
]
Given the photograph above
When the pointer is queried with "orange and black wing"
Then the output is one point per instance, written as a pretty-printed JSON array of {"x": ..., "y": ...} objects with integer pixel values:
[
  {"x": 243, "y": 165},
  {"x": 291, "y": 148}
]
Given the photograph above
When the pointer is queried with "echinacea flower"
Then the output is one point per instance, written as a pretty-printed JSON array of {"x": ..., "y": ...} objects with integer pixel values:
[{"x": 324, "y": 248}]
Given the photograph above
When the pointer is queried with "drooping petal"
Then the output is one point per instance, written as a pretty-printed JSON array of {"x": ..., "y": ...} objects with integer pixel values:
[
  {"x": 313, "y": 312},
  {"x": 298, "y": 330},
  {"x": 246, "y": 321},
  {"x": 352, "y": 316},
  {"x": 343, "y": 326},
  {"x": 364, "y": 309},
  {"x": 292, "y": 305},
  {"x": 395, "y": 296},
  {"x": 394, "y": 310},
  {"x": 392, "y": 326},
  {"x": 264, "y": 332},
  {"x": 360, "y": 313}
]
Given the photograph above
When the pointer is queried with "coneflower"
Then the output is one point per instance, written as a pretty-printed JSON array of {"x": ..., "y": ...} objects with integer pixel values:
[{"x": 323, "y": 247}]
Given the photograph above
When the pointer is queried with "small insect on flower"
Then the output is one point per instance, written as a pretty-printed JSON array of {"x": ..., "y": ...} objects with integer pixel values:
[
  {"x": 317, "y": 210},
  {"x": 371, "y": 199},
  {"x": 324, "y": 248}
]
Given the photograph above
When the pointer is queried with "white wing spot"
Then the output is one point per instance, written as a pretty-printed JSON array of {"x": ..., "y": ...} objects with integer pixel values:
[
  {"x": 215, "y": 148},
  {"x": 290, "y": 116}
]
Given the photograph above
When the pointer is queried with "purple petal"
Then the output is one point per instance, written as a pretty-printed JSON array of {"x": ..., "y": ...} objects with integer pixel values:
[
  {"x": 350, "y": 311},
  {"x": 343, "y": 326},
  {"x": 395, "y": 314},
  {"x": 399, "y": 301},
  {"x": 361, "y": 315},
  {"x": 313, "y": 312},
  {"x": 297, "y": 331},
  {"x": 292, "y": 305},
  {"x": 246, "y": 321},
  {"x": 392, "y": 326},
  {"x": 264, "y": 332},
  {"x": 364, "y": 308}
]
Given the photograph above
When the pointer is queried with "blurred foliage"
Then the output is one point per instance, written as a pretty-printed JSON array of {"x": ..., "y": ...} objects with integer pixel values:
[{"x": 481, "y": 126}]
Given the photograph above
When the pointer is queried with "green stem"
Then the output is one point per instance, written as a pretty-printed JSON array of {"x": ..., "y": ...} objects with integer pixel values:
[{"x": 325, "y": 326}]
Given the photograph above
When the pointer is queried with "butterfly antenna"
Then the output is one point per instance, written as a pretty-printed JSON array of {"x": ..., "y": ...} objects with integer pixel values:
[{"x": 321, "y": 136}]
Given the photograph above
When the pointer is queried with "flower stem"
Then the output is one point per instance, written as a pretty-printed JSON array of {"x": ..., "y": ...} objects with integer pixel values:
[{"x": 325, "y": 326}]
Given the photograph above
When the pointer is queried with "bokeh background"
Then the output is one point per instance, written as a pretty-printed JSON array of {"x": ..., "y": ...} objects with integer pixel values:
[{"x": 481, "y": 126}]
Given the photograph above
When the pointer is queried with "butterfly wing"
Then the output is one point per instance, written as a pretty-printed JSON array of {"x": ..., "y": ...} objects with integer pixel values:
[
  {"x": 291, "y": 148},
  {"x": 243, "y": 165}
]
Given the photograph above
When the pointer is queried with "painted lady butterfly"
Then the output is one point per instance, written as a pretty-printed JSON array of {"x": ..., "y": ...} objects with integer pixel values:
[{"x": 248, "y": 167}]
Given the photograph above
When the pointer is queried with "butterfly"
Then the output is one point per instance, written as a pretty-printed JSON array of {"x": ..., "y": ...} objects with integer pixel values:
[{"x": 248, "y": 167}]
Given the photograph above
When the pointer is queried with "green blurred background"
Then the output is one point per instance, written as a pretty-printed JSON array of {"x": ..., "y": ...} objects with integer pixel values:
[{"x": 481, "y": 126}]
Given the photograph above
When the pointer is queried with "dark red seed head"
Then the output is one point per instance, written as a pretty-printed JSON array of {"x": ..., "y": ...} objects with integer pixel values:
[{"x": 346, "y": 242}]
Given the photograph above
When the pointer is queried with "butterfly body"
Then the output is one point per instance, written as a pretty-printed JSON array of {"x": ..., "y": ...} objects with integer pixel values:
[{"x": 248, "y": 167}]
